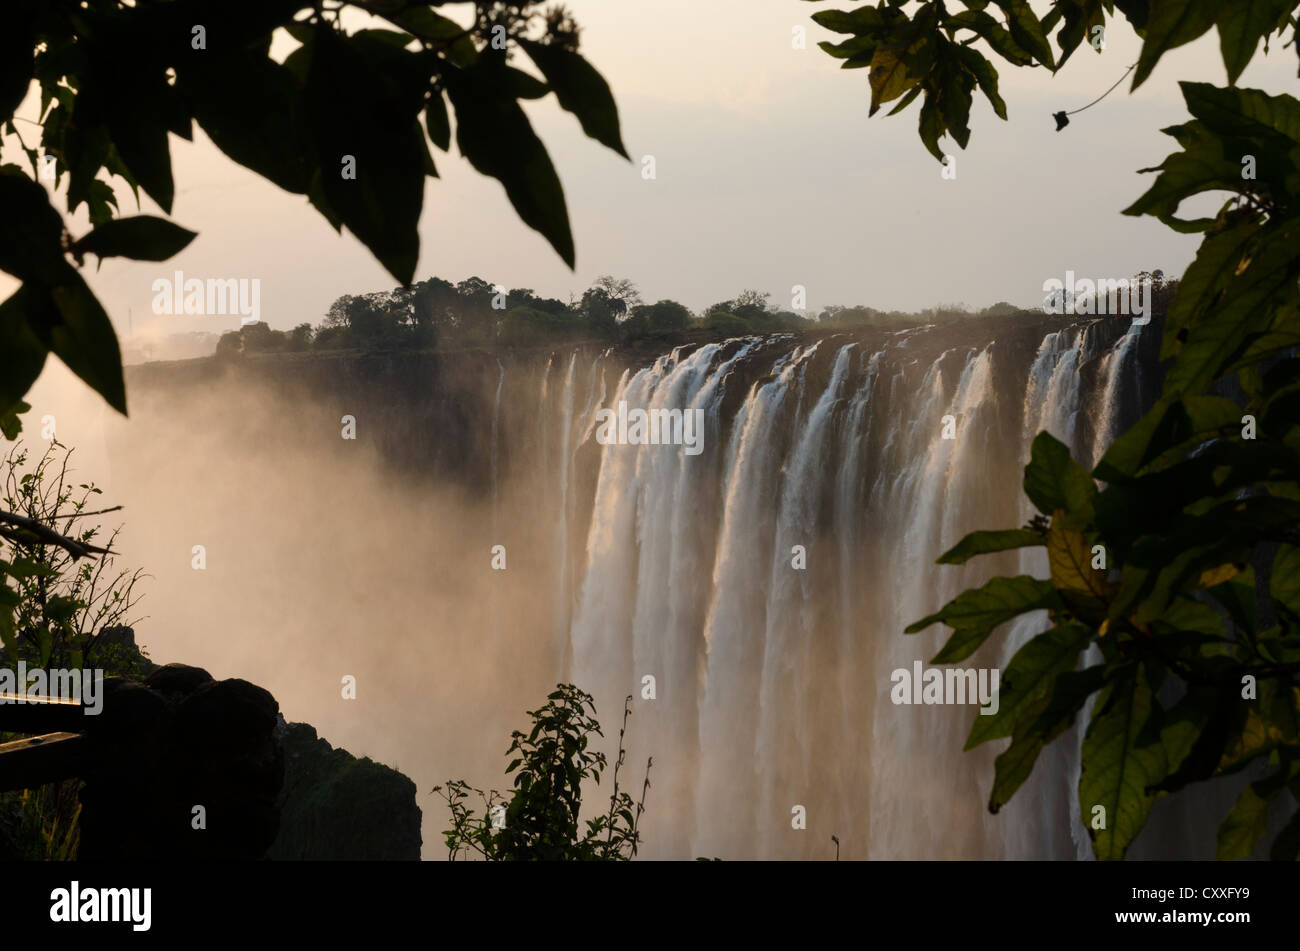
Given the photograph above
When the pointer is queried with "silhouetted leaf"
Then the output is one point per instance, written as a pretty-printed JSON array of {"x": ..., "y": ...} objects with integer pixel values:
[
  {"x": 85, "y": 340},
  {"x": 1242, "y": 24},
  {"x": 31, "y": 238},
  {"x": 497, "y": 138},
  {"x": 17, "y": 43},
  {"x": 437, "y": 122},
  {"x": 985, "y": 75},
  {"x": 997, "y": 36},
  {"x": 23, "y": 354},
  {"x": 252, "y": 109},
  {"x": 11, "y": 423},
  {"x": 362, "y": 102},
  {"x": 141, "y": 237},
  {"x": 1173, "y": 23},
  {"x": 581, "y": 90},
  {"x": 1027, "y": 31}
]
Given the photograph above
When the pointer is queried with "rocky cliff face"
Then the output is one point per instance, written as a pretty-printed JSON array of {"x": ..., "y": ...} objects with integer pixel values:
[
  {"x": 174, "y": 740},
  {"x": 437, "y": 416},
  {"x": 624, "y": 560},
  {"x": 335, "y": 806}
]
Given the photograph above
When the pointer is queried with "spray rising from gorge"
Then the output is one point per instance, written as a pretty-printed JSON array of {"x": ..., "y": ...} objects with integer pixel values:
[{"x": 750, "y": 597}]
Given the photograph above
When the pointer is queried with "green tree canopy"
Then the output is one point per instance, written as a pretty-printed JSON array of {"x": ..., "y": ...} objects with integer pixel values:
[{"x": 345, "y": 120}]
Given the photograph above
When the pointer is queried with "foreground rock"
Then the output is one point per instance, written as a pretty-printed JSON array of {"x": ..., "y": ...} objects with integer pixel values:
[
  {"x": 335, "y": 806},
  {"x": 185, "y": 767}
]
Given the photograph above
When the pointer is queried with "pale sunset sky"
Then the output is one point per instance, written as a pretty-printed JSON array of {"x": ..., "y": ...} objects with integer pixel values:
[{"x": 769, "y": 174}]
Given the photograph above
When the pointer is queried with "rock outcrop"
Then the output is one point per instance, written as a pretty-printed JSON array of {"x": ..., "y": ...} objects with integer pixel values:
[{"x": 335, "y": 806}]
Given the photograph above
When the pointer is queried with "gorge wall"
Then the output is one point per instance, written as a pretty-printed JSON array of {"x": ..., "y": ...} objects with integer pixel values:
[{"x": 372, "y": 558}]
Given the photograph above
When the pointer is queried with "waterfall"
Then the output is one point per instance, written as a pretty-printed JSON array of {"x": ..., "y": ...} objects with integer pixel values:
[
  {"x": 495, "y": 453},
  {"x": 562, "y": 502},
  {"x": 751, "y": 599}
]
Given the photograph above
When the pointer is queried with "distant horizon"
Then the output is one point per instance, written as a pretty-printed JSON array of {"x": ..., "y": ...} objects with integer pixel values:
[{"x": 769, "y": 174}]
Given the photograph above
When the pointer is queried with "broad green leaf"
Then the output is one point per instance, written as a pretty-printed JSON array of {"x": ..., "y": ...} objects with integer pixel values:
[
  {"x": 1026, "y": 683},
  {"x": 1053, "y": 480},
  {"x": 1069, "y": 692},
  {"x": 1070, "y": 558},
  {"x": 1237, "y": 596},
  {"x": 1203, "y": 165},
  {"x": 1121, "y": 758},
  {"x": 931, "y": 125},
  {"x": 1248, "y": 303},
  {"x": 889, "y": 77},
  {"x": 955, "y": 100},
  {"x": 1186, "y": 615},
  {"x": 1246, "y": 824},
  {"x": 1169, "y": 429},
  {"x": 984, "y": 542},
  {"x": 860, "y": 21},
  {"x": 906, "y": 101},
  {"x": 1027, "y": 31},
  {"x": 974, "y": 614},
  {"x": 1243, "y": 826},
  {"x": 1269, "y": 723},
  {"x": 1242, "y": 24},
  {"x": 1183, "y": 733},
  {"x": 1080, "y": 17},
  {"x": 1216, "y": 263},
  {"x": 994, "y": 33},
  {"x": 1244, "y": 113},
  {"x": 1284, "y": 582},
  {"x": 985, "y": 75},
  {"x": 859, "y": 49}
]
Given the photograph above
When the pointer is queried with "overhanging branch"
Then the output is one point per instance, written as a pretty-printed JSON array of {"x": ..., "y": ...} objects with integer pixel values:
[{"x": 23, "y": 526}]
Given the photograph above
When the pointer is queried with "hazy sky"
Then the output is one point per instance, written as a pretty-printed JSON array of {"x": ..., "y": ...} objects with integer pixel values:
[{"x": 769, "y": 174}]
